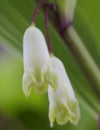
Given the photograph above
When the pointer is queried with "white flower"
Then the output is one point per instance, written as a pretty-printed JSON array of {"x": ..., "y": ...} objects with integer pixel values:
[
  {"x": 36, "y": 61},
  {"x": 63, "y": 104}
]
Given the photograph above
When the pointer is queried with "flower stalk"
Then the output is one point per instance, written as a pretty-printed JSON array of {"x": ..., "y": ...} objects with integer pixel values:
[
  {"x": 47, "y": 6},
  {"x": 36, "y": 10},
  {"x": 46, "y": 28}
]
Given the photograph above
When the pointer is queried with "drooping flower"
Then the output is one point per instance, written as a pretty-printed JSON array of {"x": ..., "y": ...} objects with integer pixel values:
[
  {"x": 36, "y": 62},
  {"x": 63, "y": 104}
]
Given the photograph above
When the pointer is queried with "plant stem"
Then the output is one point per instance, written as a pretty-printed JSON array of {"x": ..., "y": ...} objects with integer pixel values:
[
  {"x": 47, "y": 5},
  {"x": 83, "y": 57},
  {"x": 47, "y": 30},
  {"x": 36, "y": 10}
]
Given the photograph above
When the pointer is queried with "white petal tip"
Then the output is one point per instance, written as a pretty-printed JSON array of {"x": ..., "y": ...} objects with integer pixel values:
[{"x": 51, "y": 125}]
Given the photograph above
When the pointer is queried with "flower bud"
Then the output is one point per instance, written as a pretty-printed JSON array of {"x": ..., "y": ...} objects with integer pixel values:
[{"x": 66, "y": 9}]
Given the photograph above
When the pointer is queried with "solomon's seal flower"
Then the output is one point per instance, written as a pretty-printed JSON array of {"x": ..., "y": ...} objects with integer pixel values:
[
  {"x": 63, "y": 104},
  {"x": 36, "y": 61},
  {"x": 44, "y": 72}
]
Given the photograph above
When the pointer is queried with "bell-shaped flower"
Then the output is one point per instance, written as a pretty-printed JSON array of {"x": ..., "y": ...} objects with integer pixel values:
[
  {"x": 63, "y": 104},
  {"x": 36, "y": 61}
]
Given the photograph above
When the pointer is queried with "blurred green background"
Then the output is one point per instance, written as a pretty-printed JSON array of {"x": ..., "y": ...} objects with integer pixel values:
[{"x": 20, "y": 113}]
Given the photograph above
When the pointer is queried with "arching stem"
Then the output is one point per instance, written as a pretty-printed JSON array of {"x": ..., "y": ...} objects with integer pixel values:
[
  {"x": 46, "y": 27},
  {"x": 36, "y": 10}
]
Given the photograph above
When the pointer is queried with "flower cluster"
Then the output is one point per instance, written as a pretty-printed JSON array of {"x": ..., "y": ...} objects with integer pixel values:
[{"x": 46, "y": 73}]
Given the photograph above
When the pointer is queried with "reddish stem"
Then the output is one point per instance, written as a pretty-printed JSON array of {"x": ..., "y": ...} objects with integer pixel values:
[
  {"x": 36, "y": 10},
  {"x": 46, "y": 27}
]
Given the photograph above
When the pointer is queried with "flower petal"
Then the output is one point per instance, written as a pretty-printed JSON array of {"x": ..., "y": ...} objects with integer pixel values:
[
  {"x": 52, "y": 114},
  {"x": 26, "y": 84}
]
